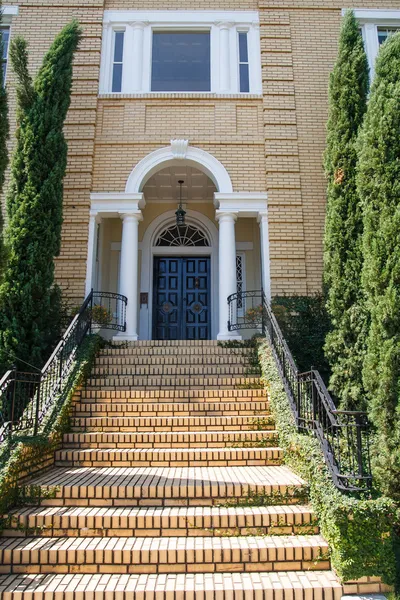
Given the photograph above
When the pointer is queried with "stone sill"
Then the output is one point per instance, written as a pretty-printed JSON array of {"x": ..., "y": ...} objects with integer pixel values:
[{"x": 180, "y": 95}]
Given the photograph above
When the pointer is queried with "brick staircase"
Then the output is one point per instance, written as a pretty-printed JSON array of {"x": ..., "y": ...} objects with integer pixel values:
[{"x": 170, "y": 486}]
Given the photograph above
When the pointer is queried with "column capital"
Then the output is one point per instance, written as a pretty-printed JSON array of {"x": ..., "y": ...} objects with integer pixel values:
[
  {"x": 225, "y": 217},
  {"x": 95, "y": 216},
  {"x": 138, "y": 24},
  {"x": 262, "y": 216},
  {"x": 131, "y": 216},
  {"x": 224, "y": 24}
]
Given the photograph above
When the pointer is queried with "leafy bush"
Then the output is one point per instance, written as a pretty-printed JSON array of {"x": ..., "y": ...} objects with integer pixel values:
[
  {"x": 378, "y": 180},
  {"x": 305, "y": 324},
  {"x": 345, "y": 343},
  {"x": 359, "y": 530}
]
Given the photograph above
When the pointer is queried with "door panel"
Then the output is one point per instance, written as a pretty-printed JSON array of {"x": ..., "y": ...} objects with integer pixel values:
[{"x": 181, "y": 298}]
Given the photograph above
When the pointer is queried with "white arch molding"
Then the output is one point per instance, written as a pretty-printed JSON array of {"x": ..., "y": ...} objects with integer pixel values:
[
  {"x": 177, "y": 154},
  {"x": 149, "y": 250}
]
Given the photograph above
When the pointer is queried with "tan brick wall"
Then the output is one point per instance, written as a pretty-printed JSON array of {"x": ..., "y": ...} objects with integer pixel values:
[{"x": 274, "y": 143}]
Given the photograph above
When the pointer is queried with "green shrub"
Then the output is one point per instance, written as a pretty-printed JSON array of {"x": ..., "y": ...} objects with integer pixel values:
[
  {"x": 304, "y": 323},
  {"x": 345, "y": 343},
  {"x": 23, "y": 451},
  {"x": 378, "y": 181},
  {"x": 359, "y": 530},
  {"x": 30, "y": 302}
]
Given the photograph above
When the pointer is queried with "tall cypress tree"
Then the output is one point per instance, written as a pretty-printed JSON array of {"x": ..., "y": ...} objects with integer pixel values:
[
  {"x": 4, "y": 129},
  {"x": 28, "y": 297},
  {"x": 348, "y": 90},
  {"x": 378, "y": 181}
]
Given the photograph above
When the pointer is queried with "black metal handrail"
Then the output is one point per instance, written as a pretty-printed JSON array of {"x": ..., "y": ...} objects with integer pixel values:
[
  {"x": 343, "y": 435},
  {"x": 26, "y": 398}
]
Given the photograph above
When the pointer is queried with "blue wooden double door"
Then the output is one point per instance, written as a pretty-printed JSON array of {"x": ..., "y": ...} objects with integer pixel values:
[{"x": 181, "y": 298}]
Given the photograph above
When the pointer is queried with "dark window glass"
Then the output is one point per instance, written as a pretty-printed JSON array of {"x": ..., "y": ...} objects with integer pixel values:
[
  {"x": 117, "y": 62},
  {"x": 181, "y": 62},
  {"x": 243, "y": 63},
  {"x": 385, "y": 32},
  {"x": 119, "y": 46},
  {"x": 5, "y": 38},
  {"x": 117, "y": 78},
  {"x": 244, "y": 78},
  {"x": 243, "y": 52}
]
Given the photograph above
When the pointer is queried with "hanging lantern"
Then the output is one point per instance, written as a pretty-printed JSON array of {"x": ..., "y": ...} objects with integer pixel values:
[{"x": 180, "y": 213}]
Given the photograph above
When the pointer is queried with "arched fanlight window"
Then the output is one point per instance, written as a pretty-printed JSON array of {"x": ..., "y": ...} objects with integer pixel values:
[{"x": 184, "y": 235}]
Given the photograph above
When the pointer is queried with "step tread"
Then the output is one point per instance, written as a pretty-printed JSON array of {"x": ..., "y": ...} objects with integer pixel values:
[
  {"x": 257, "y": 476},
  {"x": 160, "y": 512},
  {"x": 199, "y": 585}
]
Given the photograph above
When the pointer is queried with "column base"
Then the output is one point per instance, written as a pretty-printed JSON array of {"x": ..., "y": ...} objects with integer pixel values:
[
  {"x": 230, "y": 335},
  {"x": 124, "y": 337}
]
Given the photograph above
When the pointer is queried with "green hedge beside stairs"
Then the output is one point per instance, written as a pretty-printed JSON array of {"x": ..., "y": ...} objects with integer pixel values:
[
  {"x": 359, "y": 530},
  {"x": 26, "y": 455}
]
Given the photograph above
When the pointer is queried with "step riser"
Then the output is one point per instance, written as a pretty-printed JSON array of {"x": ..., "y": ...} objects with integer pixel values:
[
  {"x": 164, "y": 556},
  {"x": 88, "y": 395},
  {"x": 41, "y": 531},
  {"x": 176, "y": 370},
  {"x": 88, "y": 409},
  {"x": 180, "y": 361},
  {"x": 217, "y": 525},
  {"x": 169, "y": 458},
  {"x": 206, "y": 567},
  {"x": 193, "y": 383},
  {"x": 217, "y": 462},
  {"x": 173, "y": 424},
  {"x": 182, "y": 440}
]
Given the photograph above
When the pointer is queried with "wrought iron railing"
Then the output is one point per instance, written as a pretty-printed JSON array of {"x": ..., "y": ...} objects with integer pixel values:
[
  {"x": 342, "y": 435},
  {"x": 26, "y": 398}
]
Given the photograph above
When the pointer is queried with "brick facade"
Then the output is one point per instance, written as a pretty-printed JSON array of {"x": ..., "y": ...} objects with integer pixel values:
[{"x": 274, "y": 143}]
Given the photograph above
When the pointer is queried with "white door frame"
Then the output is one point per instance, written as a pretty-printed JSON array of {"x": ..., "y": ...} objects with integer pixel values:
[{"x": 149, "y": 250}]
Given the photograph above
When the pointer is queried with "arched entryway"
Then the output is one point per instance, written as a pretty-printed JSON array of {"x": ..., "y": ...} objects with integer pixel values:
[
  {"x": 197, "y": 241},
  {"x": 129, "y": 231}
]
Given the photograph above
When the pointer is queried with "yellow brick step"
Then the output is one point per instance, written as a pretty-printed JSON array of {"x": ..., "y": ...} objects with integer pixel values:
[
  {"x": 175, "y": 359},
  {"x": 264, "y": 422},
  {"x": 171, "y": 395},
  {"x": 116, "y": 409},
  {"x": 159, "y": 382},
  {"x": 188, "y": 439},
  {"x": 166, "y": 486},
  {"x": 109, "y": 371},
  {"x": 168, "y": 457},
  {"x": 164, "y": 349},
  {"x": 160, "y": 521},
  {"x": 287, "y": 585},
  {"x": 164, "y": 555}
]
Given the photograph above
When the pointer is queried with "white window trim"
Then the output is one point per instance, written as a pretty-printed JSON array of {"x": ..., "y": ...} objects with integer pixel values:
[
  {"x": 223, "y": 27},
  {"x": 370, "y": 20},
  {"x": 7, "y": 14}
]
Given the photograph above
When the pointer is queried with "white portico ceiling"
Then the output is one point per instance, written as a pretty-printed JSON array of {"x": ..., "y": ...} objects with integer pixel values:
[{"x": 163, "y": 186}]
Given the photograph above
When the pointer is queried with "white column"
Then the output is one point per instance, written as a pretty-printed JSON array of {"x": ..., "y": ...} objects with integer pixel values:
[
  {"x": 224, "y": 58},
  {"x": 227, "y": 270},
  {"x": 265, "y": 261},
  {"x": 135, "y": 60},
  {"x": 94, "y": 219},
  {"x": 129, "y": 271}
]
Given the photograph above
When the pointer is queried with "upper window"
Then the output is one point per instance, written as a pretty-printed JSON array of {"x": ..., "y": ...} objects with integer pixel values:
[
  {"x": 181, "y": 51},
  {"x": 376, "y": 26},
  {"x": 180, "y": 61},
  {"x": 385, "y": 32},
  {"x": 5, "y": 37}
]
